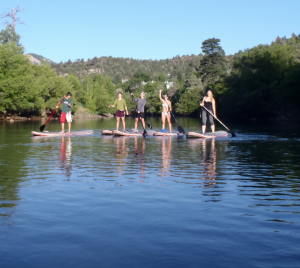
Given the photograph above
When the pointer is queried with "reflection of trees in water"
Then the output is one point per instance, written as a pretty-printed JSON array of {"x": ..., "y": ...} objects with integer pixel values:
[
  {"x": 166, "y": 157},
  {"x": 12, "y": 163},
  {"x": 140, "y": 154},
  {"x": 65, "y": 156}
]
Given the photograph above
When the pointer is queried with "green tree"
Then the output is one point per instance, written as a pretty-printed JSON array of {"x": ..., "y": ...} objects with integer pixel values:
[
  {"x": 213, "y": 63},
  {"x": 8, "y": 35},
  {"x": 143, "y": 76},
  {"x": 24, "y": 87},
  {"x": 191, "y": 97},
  {"x": 262, "y": 82},
  {"x": 160, "y": 77}
]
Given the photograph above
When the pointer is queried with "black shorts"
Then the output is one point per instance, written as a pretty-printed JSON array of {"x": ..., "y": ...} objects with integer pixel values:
[
  {"x": 206, "y": 115},
  {"x": 139, "y": 115}
]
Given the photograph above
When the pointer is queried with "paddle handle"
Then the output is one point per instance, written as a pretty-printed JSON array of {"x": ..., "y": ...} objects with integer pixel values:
[
  {"x": 54, "y": 110},
  {"x": 215, "y": 117}
]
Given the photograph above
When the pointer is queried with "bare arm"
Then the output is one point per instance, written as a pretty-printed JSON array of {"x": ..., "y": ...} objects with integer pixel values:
[
  {"x": 160, "y": 96},
  {"x": 112, "y": 106},
  {"x": 60, "y": 102}
]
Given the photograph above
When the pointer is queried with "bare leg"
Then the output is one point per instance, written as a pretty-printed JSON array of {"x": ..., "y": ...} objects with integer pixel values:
[
  {"x": 169, "y": 122},
  {"x": 213, "y": 128},
  {"x": 143, "y": 122},
  {"x": 163, "y": 118},
  {"x": 203, "y": 129},
  {"x": 136, "y": 124},
  {"x": 118, "y": 122},
  {"x": 69, "y": 130},
  {"x": 123, "y": 121},
  {"x": 62, "y": 128}
]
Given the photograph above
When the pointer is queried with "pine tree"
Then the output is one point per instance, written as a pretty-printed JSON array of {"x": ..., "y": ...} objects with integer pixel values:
[
  {"x": 212, "y": 65},
  {"x": 9, "y": 35}
]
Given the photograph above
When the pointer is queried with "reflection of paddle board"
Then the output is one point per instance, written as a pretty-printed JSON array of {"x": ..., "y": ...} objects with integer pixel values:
[
  {"x": 207, "y": 135},
  {"x": 56, "y": 134},
  {"x": 106, "y": 132},
  {"x": 130, "y": 133},
  {"x": 174, "y": 133}
]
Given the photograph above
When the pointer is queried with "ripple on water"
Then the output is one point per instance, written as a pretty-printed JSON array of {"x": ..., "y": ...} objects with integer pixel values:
[{"x": 155, "y": 201}]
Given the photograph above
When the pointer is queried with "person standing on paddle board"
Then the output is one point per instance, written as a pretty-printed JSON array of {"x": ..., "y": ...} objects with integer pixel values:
[
  {"x": 120, "y": 105},
  {"x": 66, "y": 113},
  {"x": 210, "y": 104},
  {"x": 140, "y": 110},
  {"x": 165, "y": 114}
]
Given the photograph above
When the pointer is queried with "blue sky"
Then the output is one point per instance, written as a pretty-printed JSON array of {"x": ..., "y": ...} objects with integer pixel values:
[{"x": 156, "y": 29}]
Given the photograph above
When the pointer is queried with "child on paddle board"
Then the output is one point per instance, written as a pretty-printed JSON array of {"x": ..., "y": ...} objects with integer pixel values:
[
  {"x": 166, "y": 109},
  {"x": 66, "y": 113},
  {"x": 210, "y": 104},
  {"x": 140, "y": 110},
  {"x": 121, "y": 106}
]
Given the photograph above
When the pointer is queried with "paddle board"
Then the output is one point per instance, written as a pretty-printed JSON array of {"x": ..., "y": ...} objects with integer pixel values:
[
  {"x": 174, "y": 133},
  {"x": 131, "y": 133},
  {"x": 57, "y": 134},
  {"x": 106, "y": 132},
  {"x": 207, "y": 135}
]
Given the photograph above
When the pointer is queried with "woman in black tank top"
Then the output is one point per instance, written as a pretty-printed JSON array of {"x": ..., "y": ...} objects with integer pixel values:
[{"x": 209, "y": 103}]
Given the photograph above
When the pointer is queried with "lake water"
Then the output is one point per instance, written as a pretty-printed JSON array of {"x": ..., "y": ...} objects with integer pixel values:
[{"x": 100, "y": 201}]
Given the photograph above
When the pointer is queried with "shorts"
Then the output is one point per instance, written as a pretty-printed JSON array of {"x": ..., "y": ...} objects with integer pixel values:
[
  {"x": 139, "y": 115},
  {"x": 120, "y": 113},
  {"x": 206, "y": 115},
  {"x": 66, "y": 117}
]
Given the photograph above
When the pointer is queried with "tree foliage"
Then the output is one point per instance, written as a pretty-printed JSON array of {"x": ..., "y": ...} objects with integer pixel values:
[
  {"x": 213, "y": 64},
  {"x": 8, "y": 35},
  {"x": 24, "y": 87},
  {"x": 264, "y": 82}
]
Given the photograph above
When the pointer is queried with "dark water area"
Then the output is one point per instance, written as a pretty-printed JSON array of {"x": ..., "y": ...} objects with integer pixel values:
[{"x": 102, "y": 201}]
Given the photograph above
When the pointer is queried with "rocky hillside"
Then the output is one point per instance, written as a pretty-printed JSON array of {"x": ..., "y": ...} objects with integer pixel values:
[{"x": 38, "y": 59}]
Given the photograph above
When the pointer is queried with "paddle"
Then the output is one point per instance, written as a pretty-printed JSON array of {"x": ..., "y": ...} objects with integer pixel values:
[
  {"x": 43, "y": 126},
  {"x": 180, "y": 128},
  {"x": 148, "y": 125},
  {"x": 232, "y": 133}
]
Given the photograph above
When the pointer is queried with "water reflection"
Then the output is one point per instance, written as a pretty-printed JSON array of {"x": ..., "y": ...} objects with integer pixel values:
[
  {"x": 65, "y": 156},
  {"x": 206, "y": 160},
  {"x": 140, "y": 155},
  {"x": 209, "y": 162},
  {"x": 121, "y": 153},
  {"x": 166, "y": 148}
]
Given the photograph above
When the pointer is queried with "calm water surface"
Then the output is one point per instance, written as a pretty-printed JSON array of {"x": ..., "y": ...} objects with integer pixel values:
[{"x": 99, "y": 201}]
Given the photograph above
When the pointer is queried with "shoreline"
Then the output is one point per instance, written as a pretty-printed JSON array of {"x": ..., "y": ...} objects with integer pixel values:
[
  {"x": 16, "y": 118},
  {"x": 12, "y": 118}
]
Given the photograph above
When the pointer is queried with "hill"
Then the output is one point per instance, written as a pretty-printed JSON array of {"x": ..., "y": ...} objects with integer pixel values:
[
  {"x": 124, "y": 68},
  {"x": 38, "y": 59}
]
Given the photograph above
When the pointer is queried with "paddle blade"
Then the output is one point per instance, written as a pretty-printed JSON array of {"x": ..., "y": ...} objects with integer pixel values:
[
  {"x": 42, "y": 128},
  {"x": 145, "y": 134},
  {"x": 232, "y": 134},
  {"x": 180, "y": 129},
  {"x": 148, "y": 125}
]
